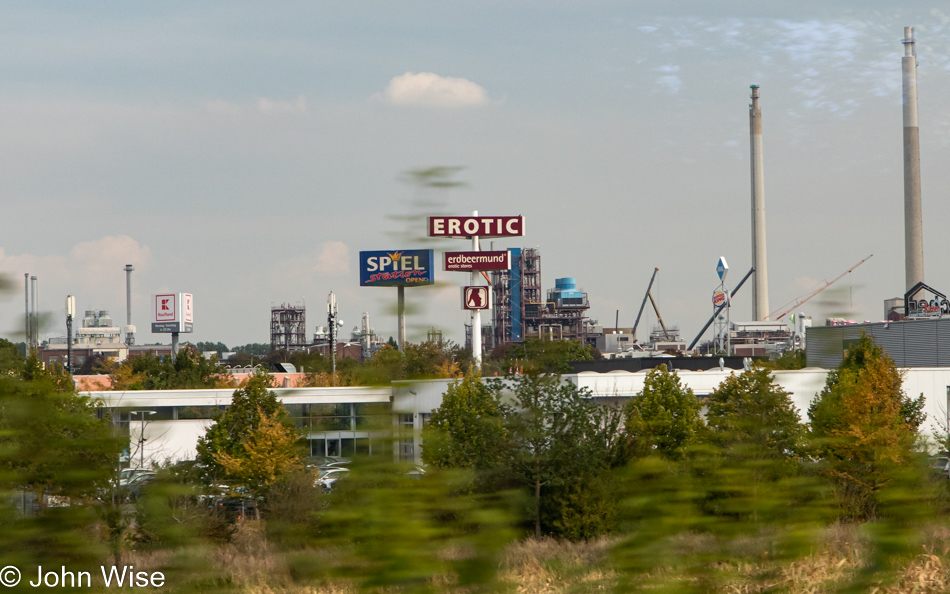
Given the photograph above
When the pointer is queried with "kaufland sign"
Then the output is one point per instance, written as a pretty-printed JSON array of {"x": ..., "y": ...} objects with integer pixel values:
[
  {"x": 173, "y": 312},
  {"x": 472, "y": 226},
  {"x": 397, "y": 268}
]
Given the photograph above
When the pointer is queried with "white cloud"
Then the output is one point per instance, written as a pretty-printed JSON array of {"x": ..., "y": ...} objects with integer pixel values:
[
  {"x": 223, "y": 107},
  {"x": 428, "y": 89},
  {"x": 331, "y": 259},
  {"x": 92, "y": 271},
  {"x": 334, "y": 258},
  {"x": 270, "y": 106},
  {"x": 105, "y": 258}
]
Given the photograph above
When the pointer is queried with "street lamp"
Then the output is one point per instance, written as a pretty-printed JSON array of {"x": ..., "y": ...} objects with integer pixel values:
[{"x": 142, "y": 434}]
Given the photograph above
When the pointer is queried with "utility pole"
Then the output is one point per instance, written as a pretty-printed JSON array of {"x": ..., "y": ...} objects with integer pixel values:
[{"x": 142, "y": 434}]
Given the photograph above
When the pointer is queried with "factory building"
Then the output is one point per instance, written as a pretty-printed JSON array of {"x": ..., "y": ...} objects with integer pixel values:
[
  {"x": 288, "y": 328},
  {"x": 522, "y": 311}
]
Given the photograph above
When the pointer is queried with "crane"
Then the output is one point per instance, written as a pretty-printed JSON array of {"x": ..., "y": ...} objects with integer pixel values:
[
  {"x": 786, "y": 309},
  {"x": 639, "y": 313}
]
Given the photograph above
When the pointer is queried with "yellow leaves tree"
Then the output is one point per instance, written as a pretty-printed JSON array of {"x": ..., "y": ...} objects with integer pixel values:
[
  {"x": 864, "y": 427},
  {"x": 269, "y": 453}
]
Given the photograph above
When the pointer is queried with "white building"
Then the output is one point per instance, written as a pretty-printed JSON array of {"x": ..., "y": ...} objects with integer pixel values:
[{"x": 354, "y": 420}]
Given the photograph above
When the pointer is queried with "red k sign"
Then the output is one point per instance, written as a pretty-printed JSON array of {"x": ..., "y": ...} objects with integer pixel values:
[{"x": 165, "y": 310}]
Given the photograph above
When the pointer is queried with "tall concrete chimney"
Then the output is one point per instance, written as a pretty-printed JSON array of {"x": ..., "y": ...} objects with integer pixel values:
[
  {"x": 129, "y": 328},
  {"x": 913, "y": 216},
  {"x": 760, "y": 281}
]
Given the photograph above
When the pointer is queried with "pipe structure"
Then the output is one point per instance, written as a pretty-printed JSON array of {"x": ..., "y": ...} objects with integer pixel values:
[
  {"x": 913, "y": 215},
  {"x": 760, "y": 285}
]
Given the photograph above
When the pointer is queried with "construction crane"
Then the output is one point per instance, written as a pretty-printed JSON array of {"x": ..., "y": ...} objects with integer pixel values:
[
  {"x": 786, "y": 309},
  {"x": 643, "y": 304}
]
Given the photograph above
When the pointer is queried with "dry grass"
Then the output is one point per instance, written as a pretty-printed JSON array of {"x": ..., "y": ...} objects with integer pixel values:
[{"x": 547, "y": 566}]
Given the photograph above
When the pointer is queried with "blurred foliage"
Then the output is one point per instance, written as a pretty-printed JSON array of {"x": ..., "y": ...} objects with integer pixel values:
[{"x": 750, "y": 500}]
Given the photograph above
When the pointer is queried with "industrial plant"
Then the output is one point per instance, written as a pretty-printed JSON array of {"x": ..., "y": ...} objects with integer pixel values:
[{"x": 523, "y": 308}]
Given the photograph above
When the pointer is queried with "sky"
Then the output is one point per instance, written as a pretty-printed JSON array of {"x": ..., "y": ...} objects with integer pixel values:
[{"x": 247, "y": 152}]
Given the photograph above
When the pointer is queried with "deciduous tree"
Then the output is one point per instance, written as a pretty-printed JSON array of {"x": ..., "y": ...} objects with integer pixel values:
[
  {"x": 863, "y": 425},
  {"x": 664, "y": 417}
]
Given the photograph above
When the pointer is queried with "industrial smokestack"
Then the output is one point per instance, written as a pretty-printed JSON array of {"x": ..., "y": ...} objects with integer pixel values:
[
  {"x": 28, "y": 326},
  {"x": 760, "y": 283},
  {"x": 913, "y": 216},
  {"x": 34, "y": 321},
  {"x": 129, "y": 328}
]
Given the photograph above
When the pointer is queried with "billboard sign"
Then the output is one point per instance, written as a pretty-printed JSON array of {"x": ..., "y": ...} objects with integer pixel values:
[
  {"x": 919, "y": 304},
  {"x": 173, "y": 312},
  {"x": 473, "y": 261},
  {"x": 476, "y": 297},
  {"x": 719, "y": 298},
  {"x": 480, "y": 226},
  {"x": 722, "y": 269},
  {"x": 397, "y": 268}
]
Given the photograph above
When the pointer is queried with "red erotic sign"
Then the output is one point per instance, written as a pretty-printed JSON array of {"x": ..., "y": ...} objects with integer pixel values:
[{"x": 480, "y": 226}]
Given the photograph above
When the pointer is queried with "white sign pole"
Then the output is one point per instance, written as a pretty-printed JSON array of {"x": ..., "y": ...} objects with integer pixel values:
[{"x": 476, "y": 313}]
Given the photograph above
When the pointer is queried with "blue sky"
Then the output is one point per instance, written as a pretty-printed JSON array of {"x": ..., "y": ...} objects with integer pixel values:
[{"x": 247, "y": 153}]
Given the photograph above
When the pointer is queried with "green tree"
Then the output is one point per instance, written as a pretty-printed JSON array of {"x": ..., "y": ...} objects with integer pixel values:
[
  {"x": 758, "y": 446},
  {"x": 237, "y": 435},
  {"x": 548, "y": 356},
  {"x": 560, "y": 441},
  {"x": 218, "y": 347},
  {"x": 270, "y": 452},
  {"x": 52, "y": 439},
  {"x": 468, "y": 429},
  {"x": 189, "y": 371},
  {"x": 664, "y": 417},
  {"x": 753, "y": 418},
  {"x": 258, "y": 349},
  {"x": 11, "y": 361}
]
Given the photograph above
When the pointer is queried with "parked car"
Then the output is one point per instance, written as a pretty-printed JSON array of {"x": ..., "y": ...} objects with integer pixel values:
[
  {"x": 133, "y": 488},
  {"x": 328, "y": 476},
  {"x": 941, "y": 466},
  {"x": 127, "y": 474}
]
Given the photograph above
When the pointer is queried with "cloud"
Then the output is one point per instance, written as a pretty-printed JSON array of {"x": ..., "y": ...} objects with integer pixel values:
[
  {"x": 105, "y": 258},
  {"x": 334, "y": 258},
  {"x": 269, "y": 106},
  {"x": 223, "y": 107},
  {"x": 331, "y": 259},
  {"x": 428, "y": 89},
  {"x": 92, "y": 271}
]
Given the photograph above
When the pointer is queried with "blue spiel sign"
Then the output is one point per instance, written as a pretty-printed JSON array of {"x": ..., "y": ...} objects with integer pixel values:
[{"x": 403, "y": 268}]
